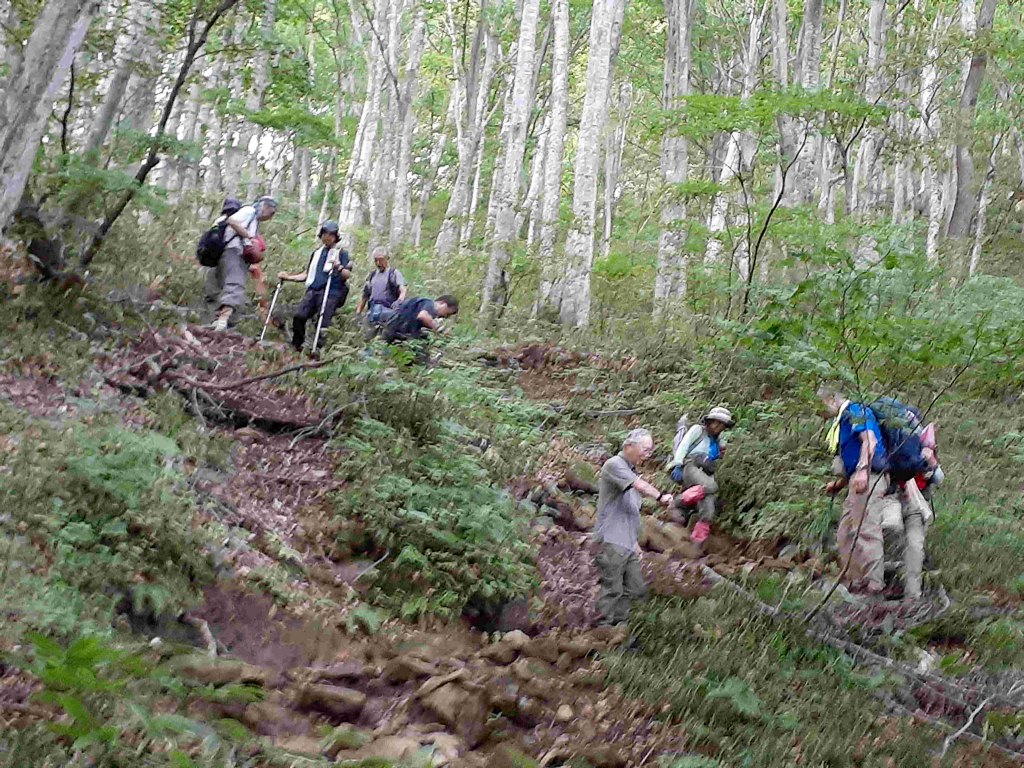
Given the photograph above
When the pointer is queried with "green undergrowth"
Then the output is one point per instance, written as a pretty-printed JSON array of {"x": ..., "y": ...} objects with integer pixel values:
[
  {"x": 756, "y": 691},
  {"x": 94, "y": 511},
  {"x": 426, "y": 456}
]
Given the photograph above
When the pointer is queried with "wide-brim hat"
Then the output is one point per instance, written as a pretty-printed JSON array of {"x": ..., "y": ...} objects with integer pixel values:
[{"x": 720, "y": 413}]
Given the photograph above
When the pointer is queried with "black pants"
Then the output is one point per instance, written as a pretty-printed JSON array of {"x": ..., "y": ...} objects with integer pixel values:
[{"x": 310, "y": 306}]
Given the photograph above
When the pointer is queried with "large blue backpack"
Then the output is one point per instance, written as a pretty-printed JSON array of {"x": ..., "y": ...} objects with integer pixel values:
[{"x": 900, "y": 426}]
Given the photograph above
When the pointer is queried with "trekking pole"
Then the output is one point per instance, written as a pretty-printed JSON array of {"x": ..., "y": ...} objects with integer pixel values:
[
  {"x": 323, "y": 306},
  {"x": 270, "y": 312}
]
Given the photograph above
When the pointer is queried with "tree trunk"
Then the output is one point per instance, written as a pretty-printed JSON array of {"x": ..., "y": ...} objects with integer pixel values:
[
  {"x": 400, "y": 213},
  {"x": 928, "y": 131},
  {"x": 863, "y": 197},
  {"x": 614, "y": 144},
  {"x": 427, "y": 184},
  {"x": 963, "y": 207},
  {"x": 553, "y": 162},
  {"x": 470, "y": 121},
  {"x": 496, "y": 281},
  {"x": 670, "y": 278},
  {"x": 28, "y": 93},
  {"x": 983, "y": 199},
  {"x": 606, "y": 15}
]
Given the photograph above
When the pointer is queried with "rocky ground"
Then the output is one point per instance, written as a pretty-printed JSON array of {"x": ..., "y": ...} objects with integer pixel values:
[{"x": 539, "y": 690}]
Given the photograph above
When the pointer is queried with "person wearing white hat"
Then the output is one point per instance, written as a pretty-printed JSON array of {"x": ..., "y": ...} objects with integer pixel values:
[{"x": 693, "y": 463}]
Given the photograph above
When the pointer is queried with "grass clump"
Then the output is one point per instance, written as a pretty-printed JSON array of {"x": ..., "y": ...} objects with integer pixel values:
[{"x": 759, "y": 691}]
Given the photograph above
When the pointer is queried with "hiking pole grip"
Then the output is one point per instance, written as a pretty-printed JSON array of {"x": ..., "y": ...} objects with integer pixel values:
[{"x": 270, "y": 312}]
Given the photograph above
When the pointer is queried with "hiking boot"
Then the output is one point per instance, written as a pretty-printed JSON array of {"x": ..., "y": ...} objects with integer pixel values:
[{"x": 223, "y": 315}]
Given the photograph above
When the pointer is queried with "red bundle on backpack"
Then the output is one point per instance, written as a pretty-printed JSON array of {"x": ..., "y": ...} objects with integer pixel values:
[{"x": 253, "y": 252}]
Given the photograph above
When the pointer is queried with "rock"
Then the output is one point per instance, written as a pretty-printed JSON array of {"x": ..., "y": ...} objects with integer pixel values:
[
  {"x": 343, "y": 703},
  {"x": 789, "y": 552},
  {"x": 506, "y": 756},
  {"x": 447, "y": 746},
  {"x": 436, "y": 682},
  {"x": 387, "y": 748},
  {"x": 493, "y": 616},
  {"x": 603, "y": 756},
  {"x": 517, "y": 639},
  {"x": 506, "y": 696},
  {"x": 542, "y": 648},
  {"x": 303, "y": 745},
  {"x": 501, "y": 653},
  {"x": 533, "y": 669},
  {"x": 564, "y": 714},
  {"x": 406, "y": 668},
  {"x": 221, "y": 672},
  {"x": 687, "y": 550},
  {"x": 586, "y": 516},
  {"x": 350, "y": 670},
  {"x": 269, "y": 719},
  {"x": 345, "y": 737},
  {"x": 464, "y": 711}
]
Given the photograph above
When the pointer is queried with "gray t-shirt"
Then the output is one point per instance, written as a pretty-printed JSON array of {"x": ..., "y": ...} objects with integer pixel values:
[
  {"x": 618, "y": 504},
  {"x": 379, "y": 286}
]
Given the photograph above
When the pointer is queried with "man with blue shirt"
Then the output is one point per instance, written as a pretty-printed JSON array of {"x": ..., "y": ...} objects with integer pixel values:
[
  {"x": 325, "y": 261},
  {"x": 856, "y": 441}
]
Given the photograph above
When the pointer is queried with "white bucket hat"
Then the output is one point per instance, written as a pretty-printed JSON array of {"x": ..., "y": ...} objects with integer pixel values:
[{"x": 720, "y": 413}]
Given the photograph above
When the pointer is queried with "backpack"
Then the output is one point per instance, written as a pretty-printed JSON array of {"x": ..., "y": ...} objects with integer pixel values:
[
  {"x": 900, "y": 426},
  {"x": 393, "y": 288},
  {"x": 210, "y": 247}
]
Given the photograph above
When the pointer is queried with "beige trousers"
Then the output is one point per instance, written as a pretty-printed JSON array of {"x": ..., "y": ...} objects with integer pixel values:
[{"x": 864, "y": 550}]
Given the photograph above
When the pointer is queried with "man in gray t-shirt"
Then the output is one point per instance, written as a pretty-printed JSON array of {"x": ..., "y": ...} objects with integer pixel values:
[
  {"x": 617, "y": 557},
  {"x": 383, "y": 290}
]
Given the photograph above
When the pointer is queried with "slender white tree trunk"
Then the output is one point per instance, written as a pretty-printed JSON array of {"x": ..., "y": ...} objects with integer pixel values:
[
  {"x": 614, "y": 144},
  {"x": 579, "y": 242},
  {"x": 553, "y": 161},
  {"x": 400, "y": 214},
  {"x": 531, "y": 205},
  {"x": 963, "y": 207},
  {"x": 670, "y": 277},
  {"x": 929, "y": 128},
  {"x": 427, "y": 184},
  {"x": 496, "y": 282},
  {"x": 862, "y": 182}
]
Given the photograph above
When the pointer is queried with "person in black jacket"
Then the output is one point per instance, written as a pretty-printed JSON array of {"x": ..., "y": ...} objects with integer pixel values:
[
  {"x": 325, "y": 261},
  {"x": 412, "y": 316}
]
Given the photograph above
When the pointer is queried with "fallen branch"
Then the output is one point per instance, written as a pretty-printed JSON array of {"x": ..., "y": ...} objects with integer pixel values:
[
  {"x": 720, "y": 579},
  {"x": 253, "y": 379},
  {"x": 620, "y": 412},
  {"x": 957, "y": 734}
]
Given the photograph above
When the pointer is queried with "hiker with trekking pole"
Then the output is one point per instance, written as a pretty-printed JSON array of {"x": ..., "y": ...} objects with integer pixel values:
[
  {"x": 233, "y": 249},
  {"x": 694, "y": 457},
  {"x": 855, "y": 440},
  {"x": 326, "y": 278}
]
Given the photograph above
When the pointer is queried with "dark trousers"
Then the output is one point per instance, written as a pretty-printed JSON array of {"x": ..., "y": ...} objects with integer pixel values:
[
  {"x": 620, "y": 581},
  {"x": 310, "y": 306}
]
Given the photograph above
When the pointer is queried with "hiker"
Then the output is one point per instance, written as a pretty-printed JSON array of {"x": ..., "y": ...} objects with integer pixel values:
[
  {"x": 225, "y": 283},
  {"x": 383, "y": 290},
  {"x": 408, "y": 320},
  {"x": 915, "y": 497},
  {"x": 856, "y": 441},
  {"x": 326, "y": 261},
  {"x": 616, "y": 533},
  {"x": 693, "y": 463}
]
